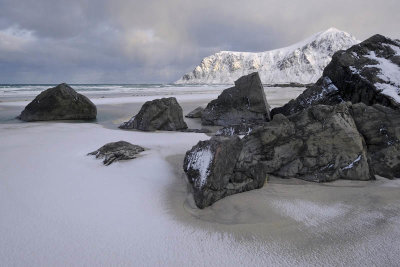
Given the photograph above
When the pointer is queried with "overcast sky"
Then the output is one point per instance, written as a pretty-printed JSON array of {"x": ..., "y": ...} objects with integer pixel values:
[{"x": 119, "y": 41}]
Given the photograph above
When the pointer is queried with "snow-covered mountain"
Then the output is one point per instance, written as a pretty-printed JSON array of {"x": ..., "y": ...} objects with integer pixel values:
[{"x": 300, "y": 63}]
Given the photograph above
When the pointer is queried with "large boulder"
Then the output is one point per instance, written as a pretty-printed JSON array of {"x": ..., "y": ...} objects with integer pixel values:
[
  {"x": 368, "y": 72},
  {"x": 210, "y": 170},
  {"x": 59, "y": 103},
  {"x": 319, "y": 144},
  {"x": 159, "y": 114},
  {"x": 243, "y": 103},
  {"x": 380, "y": 127},
  {"x": 116, "y": 151}
]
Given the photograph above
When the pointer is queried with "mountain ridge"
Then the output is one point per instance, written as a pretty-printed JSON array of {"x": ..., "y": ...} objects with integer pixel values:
[{"x": 301, "y": 63}]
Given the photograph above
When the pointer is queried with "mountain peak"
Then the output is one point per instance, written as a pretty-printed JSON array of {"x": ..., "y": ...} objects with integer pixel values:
[
  {"x": 332, "y": 34},
  {"x": 302, "y": 62},
  {"x": 333, "y": 29}
]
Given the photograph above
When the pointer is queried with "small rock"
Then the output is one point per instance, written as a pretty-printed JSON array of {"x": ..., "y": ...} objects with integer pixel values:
[
  {"x": 196, "y": 113},
  {"x": 116, "y": 151}
]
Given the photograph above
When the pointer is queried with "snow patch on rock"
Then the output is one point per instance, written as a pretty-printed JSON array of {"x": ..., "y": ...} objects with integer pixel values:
[
  {"x": 201, "y": 160},
  {"x": 396, "y": 49},
  {"x": 389, "y": 74},
  {"x": 354, "y": 70},
  {"x": 327, "y": 88},
  {"x": 351, "y": 165}
]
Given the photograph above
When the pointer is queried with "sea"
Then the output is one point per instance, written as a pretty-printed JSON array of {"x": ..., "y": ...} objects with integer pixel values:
[
  {"x": 25, "y": 92},
  {"x": 12, "y": 91}
]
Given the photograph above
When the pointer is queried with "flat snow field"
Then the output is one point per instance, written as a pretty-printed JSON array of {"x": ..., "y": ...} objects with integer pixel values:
[{"x": 59, "y": 207}]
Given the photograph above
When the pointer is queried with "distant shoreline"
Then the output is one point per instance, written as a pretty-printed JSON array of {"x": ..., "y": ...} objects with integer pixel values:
[
  {"x": 288, "y": 85},
  {"x": 291, "y": 84}
]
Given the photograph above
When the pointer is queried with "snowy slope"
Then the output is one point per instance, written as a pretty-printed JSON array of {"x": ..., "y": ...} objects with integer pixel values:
[{"x": 302, "y": 62}]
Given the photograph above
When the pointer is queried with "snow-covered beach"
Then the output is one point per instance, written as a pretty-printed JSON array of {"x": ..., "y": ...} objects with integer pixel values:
[{"x": 59, "y": 207}]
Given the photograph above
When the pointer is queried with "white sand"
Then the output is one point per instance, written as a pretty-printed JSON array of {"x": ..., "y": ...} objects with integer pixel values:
[{"x": 59, "y": 207}]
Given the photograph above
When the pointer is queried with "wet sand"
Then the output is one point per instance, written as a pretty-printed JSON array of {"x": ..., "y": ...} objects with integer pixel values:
[{"x": 340, "y": 223}]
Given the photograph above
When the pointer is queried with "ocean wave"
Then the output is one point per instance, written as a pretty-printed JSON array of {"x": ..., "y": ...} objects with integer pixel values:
[{"x": 10, "y": 90}]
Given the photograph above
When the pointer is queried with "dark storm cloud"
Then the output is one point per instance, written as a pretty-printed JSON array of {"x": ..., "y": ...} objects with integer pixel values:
[
  {"x": 157, "y": 41},
  {"x": 53, "y": 18}
]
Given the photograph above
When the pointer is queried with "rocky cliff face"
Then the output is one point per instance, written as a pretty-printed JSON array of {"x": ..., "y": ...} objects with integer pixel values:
[{"x": 301, "y": 63}]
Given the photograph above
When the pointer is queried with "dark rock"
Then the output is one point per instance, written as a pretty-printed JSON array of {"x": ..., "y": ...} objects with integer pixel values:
[
  {"x": 210, "y": 170},
  {"x": 380, "y": 127},
  {"x": 243, "y": 103},
  {"x": 368, "y": 73},
  {"x": 319, "y": 144},
  {"x": 59, "y": 103},
  {"x": 324, "y": 92},
  {"x": 127, "y": 124},
  {"x": 159, "y": 114},
  {"x": 196, "y": 113},
  {"x": 117, "y": 151}
]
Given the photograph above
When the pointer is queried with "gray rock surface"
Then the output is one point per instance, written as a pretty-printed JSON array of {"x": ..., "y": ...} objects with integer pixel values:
[
  {"x": 116, "y": 151},
  {"x": 159, "y": 114},
  {"x": 196, "y": 113},
  {"x": 59, "y": 103},
  {"x": 368, "y": 73},
  {"x": 319, "y": 144},
  {"x": 243, "y": 103},
  {"x": 210, "y": 170},
  {"x": 380, "y": 127}
]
